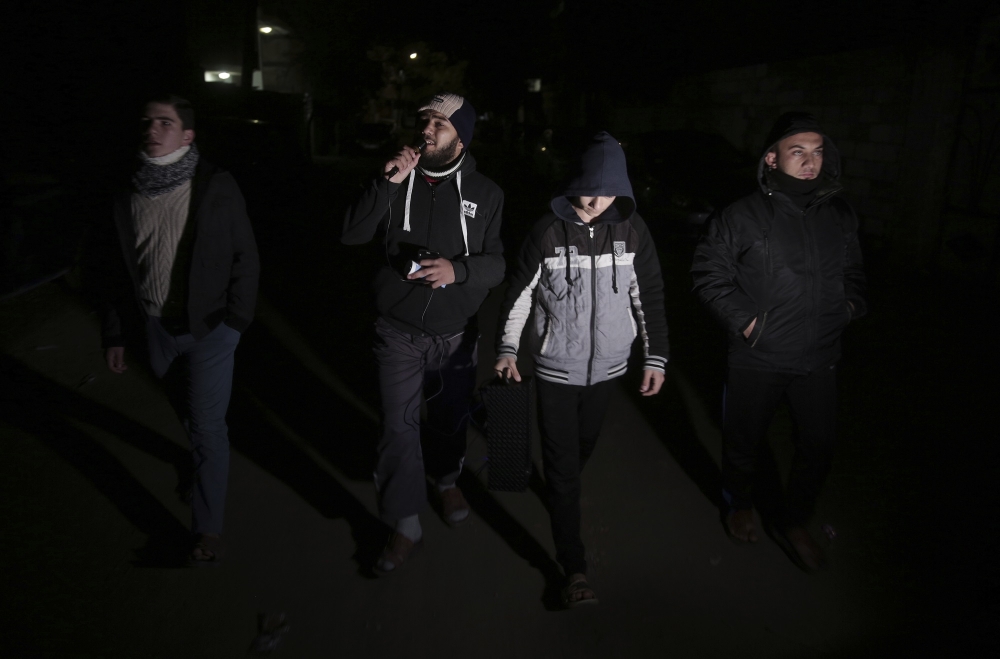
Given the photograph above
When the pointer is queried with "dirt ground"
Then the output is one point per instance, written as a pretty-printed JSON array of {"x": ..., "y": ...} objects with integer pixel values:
[{"x": 91, "y": 519}]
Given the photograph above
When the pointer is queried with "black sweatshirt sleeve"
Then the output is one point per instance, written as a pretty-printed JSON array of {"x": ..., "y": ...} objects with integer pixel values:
[
  {"x": 363, "y": 217},
  {"x": 651, "y": 307},
  {"x": 855, "y": 284},
  {"x": 244, "y": 274},
  {"x": 107, "y": 278}
]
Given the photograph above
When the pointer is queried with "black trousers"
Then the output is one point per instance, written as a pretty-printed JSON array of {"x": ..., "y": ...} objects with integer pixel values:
[
  {"x": 570, "y": 417},
  {"x": 438, "y": 371},
  {"x": 751, "y": 400}
]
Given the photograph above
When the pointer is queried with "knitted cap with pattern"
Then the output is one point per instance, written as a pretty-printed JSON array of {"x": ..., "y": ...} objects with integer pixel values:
[{"x": 459, "y": 111}]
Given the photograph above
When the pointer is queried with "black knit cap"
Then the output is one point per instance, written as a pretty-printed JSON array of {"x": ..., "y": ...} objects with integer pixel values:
[{"x": 791, "y": 123}]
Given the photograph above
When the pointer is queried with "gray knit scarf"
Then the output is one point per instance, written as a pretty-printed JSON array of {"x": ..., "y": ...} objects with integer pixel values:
[{"x": 152, "y": 180}]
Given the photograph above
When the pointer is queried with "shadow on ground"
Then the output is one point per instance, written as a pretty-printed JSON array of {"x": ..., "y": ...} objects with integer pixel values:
[{"x": 47, "y": 410}]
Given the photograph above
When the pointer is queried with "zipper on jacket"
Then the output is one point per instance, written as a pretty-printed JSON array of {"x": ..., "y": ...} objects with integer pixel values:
[
  {"x": 593, "y": 307},
  {"x": 810, "y": 251},
  {"x": 763, "y": 321},
  {"x": 430, "y": 216}
]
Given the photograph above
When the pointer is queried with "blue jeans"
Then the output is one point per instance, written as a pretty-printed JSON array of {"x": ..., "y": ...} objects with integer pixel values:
[{"x": 199, "y": 375}]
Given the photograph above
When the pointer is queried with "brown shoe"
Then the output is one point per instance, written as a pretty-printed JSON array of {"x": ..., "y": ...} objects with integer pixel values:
[
  {"x": 740, "y": 526},
  {"x": 396, "y": 551},
  {"x": 803, "y": 550},
  {"x": 454, "y": 507}
]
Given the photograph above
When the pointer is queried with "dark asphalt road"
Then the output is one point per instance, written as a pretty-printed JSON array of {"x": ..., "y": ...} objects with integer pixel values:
[{"x": 90, "y": 517}]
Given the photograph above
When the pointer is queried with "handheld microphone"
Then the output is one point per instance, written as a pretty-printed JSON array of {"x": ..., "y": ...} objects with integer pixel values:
[{"x": 395, "y": 170}]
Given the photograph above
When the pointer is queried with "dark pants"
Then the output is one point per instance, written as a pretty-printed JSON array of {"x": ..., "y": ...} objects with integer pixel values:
[
  {"x": 750, "y": 402},
  {"x": 199, "y": 374},
  {"x": 440, "y": 371},
  {"x": 571, "y": 418}
]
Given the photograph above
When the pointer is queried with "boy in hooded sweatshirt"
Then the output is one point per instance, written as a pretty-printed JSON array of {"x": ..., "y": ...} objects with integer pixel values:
[{"x": 590, "y": 272}]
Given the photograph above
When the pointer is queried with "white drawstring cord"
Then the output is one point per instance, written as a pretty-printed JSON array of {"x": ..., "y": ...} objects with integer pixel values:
[
  {"x": 409, "y": 194},
  {"x": 461, "y": 207},
  {"x": 461, "y": 212}
]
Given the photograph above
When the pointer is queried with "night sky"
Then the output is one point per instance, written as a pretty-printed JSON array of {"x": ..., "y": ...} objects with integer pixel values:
[
  {"x": 74, "y": 67},
  {"x": 627, "y": 47}
]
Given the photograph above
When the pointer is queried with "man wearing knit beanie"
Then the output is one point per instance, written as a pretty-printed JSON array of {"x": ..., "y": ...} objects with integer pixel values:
[
  {"x": 457, "y": 110},
  {"x": 181, "y": 260},
  {"x": 781, "y": 269},
  {"x": 439, "y": 220}
]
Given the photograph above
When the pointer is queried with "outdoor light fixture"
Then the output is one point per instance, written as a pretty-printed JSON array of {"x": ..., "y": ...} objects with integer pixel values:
[
  {"x": 265, "y": 30},
  {"x": 222, "y": 77},
  {"x": 413, "y": 56}
]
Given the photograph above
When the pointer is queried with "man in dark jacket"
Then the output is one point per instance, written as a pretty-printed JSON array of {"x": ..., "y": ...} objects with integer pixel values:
[
  {"x": 191, "y": 261},
  {"x": 781, "y": 269},
  {"x": 590, "y": 272},
  {"x": 439, "y": 220}
]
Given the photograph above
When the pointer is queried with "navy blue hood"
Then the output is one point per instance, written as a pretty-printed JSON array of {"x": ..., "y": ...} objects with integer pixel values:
[{"x": 602, "y": 174}]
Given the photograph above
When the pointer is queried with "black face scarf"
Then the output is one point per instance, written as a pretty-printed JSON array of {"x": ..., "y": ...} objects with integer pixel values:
[
  {"x": 152, "y": 180},
  {"x": 799, "y": 190}
]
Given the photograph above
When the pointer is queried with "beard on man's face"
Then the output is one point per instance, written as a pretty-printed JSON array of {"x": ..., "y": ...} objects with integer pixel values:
[{"x": 440, "y": 156}]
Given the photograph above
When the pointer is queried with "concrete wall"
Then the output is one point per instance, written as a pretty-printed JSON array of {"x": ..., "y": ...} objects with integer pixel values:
[{"x": 891, "y": 114}]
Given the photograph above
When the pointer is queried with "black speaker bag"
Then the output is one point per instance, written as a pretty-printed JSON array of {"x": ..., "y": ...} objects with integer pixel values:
[{"x": 509, "y": 423}]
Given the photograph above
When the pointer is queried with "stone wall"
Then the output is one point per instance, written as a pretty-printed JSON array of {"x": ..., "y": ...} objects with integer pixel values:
[{"x": 891, "y": 114}]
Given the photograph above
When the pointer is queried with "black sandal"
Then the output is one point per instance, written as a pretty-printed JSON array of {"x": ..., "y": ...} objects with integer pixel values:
[
  {"x": 210, "y": 546},
  {"x": 578, "y": 587}
]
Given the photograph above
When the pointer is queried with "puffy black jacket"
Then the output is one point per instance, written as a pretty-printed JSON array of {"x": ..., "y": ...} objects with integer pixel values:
[
  {"x": 795, "y": 270},
  {"x": 459, "y": 218}
]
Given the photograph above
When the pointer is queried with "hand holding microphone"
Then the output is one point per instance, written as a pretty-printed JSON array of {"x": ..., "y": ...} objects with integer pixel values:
[{"x": 404, "y": 161}]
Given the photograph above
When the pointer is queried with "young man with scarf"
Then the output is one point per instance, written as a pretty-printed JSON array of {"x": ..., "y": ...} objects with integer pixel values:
[
  {"x": 439, "y": 221},
  {"x": 191, "y": 261},
  {"x": 781, "y": 269},
  {"x": 590, "y": 272}
]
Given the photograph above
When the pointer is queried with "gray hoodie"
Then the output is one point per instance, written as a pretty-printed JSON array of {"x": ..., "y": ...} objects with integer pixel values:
[{"x": 593, "y": 287}]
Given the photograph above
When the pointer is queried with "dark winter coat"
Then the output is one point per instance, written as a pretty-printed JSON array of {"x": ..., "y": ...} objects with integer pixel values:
[
  {"x": 417, "y": 215},
  {"x": 795, "y": 270},
  {"x": 224, "y": 265}
]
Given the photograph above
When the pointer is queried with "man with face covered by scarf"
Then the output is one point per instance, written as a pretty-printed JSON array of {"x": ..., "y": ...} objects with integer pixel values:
[{"x": 781, "y": 269}]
